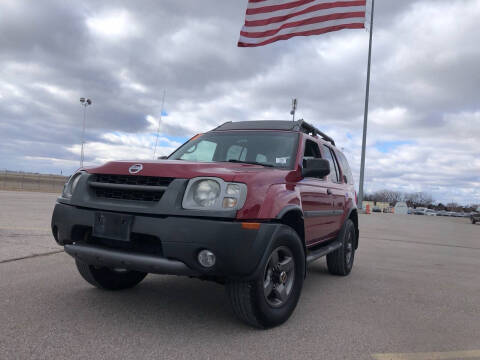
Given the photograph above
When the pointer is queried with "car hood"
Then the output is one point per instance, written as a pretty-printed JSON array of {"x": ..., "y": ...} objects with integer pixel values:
[{"x": 187, "y": 170}]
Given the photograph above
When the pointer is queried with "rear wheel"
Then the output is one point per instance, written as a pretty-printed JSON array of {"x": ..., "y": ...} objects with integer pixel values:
[
  {"x": 340, "y": 262},
  {"x": 109, "y": 279},
  {"x": 472, "y": 219},
  {"x": 270, "y": 299}
]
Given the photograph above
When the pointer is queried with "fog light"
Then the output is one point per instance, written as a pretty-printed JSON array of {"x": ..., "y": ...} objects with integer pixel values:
[{"x": 206, "y": 258}]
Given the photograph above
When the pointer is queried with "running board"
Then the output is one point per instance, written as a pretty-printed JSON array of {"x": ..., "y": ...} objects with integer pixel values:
[{"x": 322, "y": 251}]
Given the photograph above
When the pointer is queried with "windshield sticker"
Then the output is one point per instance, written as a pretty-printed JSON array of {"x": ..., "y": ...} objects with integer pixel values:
[{"x": 282, "y": 160}]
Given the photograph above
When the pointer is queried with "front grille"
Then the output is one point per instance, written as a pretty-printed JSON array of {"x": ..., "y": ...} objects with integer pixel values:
[
  {"x": 132, "y": 180},
  {"x": 129, "y": 187},
  {"x": 128, "y": 195}
]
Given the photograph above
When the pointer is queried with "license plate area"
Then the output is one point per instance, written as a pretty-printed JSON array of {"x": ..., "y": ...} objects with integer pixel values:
[{"x": 112, "y": 226}]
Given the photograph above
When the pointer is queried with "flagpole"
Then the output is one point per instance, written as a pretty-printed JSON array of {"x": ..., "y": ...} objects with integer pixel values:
[{"x": 365, "y": 115}]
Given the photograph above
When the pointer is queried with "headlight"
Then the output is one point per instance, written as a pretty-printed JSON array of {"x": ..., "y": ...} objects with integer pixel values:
[
  {"x": 71, "y": 184},
  {"x": 206, "y": 192},
  {"x": 214, "y": 194}
]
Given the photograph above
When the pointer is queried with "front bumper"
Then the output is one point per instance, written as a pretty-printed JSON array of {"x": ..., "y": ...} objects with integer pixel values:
[{"x": 177, "y": 240}]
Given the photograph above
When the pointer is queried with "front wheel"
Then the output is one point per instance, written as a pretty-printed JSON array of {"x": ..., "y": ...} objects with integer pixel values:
[
  {"x": 472, "y": 219},
  {"x": 271, "y": 298},
  {"x": 340, "y": 262},
  {"x": 109, "y": 279}
]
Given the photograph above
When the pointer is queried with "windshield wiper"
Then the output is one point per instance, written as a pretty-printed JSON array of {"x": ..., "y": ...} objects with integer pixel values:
[{"x": 250, "y": 162}]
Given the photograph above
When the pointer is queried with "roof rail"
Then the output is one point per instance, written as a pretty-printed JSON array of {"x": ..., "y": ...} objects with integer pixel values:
[
  {"x": 303, "y": 126},
  {"x": 299, "y": 125}
]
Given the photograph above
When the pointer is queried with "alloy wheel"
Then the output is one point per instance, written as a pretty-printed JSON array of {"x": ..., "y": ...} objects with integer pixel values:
[{"x": 279, "y": 276}]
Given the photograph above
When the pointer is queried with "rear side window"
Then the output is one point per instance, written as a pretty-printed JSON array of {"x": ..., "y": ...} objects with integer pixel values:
[
  {"x": 345, "y": 167},
  {"x": 334, "y": 171}
]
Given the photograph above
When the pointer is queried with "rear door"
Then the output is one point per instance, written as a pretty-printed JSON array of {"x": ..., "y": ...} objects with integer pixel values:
[
  {"x": 336, "y": 189},
  {"x": 347, "y": 177},
  {"x": 316, "y": 201}
]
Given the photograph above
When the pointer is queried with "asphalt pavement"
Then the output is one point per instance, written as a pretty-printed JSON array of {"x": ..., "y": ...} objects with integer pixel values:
[{"x": 414, "y": 293}]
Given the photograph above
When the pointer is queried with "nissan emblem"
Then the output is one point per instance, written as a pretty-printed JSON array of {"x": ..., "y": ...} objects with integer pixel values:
[{"x": 134, "y": 169}]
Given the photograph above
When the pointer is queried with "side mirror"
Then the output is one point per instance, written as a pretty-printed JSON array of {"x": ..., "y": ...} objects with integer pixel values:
[
  {"x": 162, "y": 157},
  {"x": 315, "y": 168}
]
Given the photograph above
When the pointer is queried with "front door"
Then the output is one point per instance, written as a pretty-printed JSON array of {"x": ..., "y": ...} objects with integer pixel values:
[{"x": 316, "y": 201}]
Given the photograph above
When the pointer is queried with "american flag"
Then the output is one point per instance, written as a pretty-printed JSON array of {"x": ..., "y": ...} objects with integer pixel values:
[{"x": 267, "y": 21}]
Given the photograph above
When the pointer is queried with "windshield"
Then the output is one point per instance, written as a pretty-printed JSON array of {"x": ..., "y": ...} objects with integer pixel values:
[{"x": 270, "y": 148}]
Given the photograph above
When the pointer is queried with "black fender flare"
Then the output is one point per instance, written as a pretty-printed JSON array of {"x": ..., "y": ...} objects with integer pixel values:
[
  {"x": 356, "y": 225},
  {"x": 268, "y": 249},
  {"x": 288, "y": 208},
  {"x": 294, "y": 208}
]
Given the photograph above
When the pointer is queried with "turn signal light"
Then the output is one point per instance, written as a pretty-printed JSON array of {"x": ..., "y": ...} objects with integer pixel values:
[
  {"x": 250, "y": 225},
  {"x": 229, "y": 202}
]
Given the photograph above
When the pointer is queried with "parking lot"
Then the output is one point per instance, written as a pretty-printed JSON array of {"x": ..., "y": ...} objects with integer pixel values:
[{"x": 414, "y": 293}]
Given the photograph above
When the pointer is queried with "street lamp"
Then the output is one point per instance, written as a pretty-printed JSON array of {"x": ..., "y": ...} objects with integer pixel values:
[{"x": 85, "y": 102}]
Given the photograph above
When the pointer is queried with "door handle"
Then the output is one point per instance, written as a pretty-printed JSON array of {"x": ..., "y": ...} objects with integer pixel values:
[{"x": 329, "y": 192}]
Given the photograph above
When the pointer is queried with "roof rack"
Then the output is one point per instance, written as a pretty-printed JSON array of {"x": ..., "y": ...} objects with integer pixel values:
[
  {"x": 299, "y": 125},
  {"x": 310, "y": 129}
]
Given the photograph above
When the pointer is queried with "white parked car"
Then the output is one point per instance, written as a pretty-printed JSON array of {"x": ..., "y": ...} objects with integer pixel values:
[{"x": 419, "y": 211}]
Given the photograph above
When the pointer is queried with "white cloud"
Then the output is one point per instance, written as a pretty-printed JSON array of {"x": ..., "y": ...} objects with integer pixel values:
[
  {"x": 126, "y": 81},
  {"x": 113, "y": 25},
  {"x": 57, "y": 91},
  {"x": 54, "y": 161},
  {"x": 124, "y": 146}
]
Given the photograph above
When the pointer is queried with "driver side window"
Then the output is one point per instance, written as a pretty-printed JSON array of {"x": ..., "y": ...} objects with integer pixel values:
[{"x": 312, "y": 151}]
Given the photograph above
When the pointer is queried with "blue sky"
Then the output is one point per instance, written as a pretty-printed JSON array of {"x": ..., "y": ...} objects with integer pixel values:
[{"x": 389, "y": 146}]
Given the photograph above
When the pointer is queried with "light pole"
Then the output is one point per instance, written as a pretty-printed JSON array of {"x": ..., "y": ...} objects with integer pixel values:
[{"x": 85, "y": 103}]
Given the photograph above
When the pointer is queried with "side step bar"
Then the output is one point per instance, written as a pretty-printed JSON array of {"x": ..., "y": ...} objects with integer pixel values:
[
  {"x": 313, "y": 255},
  {"x": 101, "y": 256}
]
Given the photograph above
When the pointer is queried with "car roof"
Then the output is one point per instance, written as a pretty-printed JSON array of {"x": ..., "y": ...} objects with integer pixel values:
[{"x": 284, "y": 125}]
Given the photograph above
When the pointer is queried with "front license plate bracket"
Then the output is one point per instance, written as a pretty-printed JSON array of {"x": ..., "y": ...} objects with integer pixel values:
[{"x": 112, "y": 226}]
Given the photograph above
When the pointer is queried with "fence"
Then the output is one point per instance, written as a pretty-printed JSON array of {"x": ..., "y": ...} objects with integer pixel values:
[{"x": 31, "y": 182}]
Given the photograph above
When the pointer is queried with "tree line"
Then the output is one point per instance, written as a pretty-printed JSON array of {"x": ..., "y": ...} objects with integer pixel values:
[{"x": 414, "y": 200}]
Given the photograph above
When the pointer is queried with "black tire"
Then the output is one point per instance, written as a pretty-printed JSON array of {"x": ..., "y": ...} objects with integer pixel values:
[
  {"x": 472, "y": 219},
  {"x": 109, "y": 279},
  {"x": 250, "y": 301},
  {"x": 340, "y": 262}
]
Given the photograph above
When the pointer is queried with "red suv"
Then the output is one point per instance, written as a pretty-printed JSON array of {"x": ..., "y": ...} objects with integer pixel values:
[{"x": 247, "y": 204}]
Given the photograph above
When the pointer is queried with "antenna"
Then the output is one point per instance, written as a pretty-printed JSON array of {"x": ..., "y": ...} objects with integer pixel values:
[
  {"x": 159, "y": 122},
  {"x": 294, "y": 108}
]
